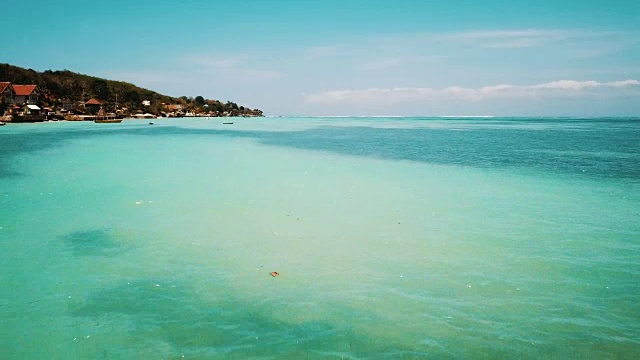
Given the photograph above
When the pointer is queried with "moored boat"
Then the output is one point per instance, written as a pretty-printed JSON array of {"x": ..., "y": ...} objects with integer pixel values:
[{"x": 108, "y": 121}]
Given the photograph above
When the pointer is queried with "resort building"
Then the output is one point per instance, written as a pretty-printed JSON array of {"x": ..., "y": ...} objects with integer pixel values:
[
  {"x": 25, "y": 94},
  {"x": 93, "y": 104},
  {"x": 173, "y": 107},
  {"x": 6, "y": 92},
  {"x": 67, "y": 105},
  {"x": 31, "y": 110}
]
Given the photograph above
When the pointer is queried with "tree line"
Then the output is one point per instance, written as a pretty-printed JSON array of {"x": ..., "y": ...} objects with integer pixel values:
[{"x": 56, "y": 86}]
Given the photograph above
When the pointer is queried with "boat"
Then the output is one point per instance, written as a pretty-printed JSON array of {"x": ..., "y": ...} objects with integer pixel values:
[
  {"x": 190, "y": 114},
  {"x": 227, "y": 123},
  {"x": 108, "y": 121},
  {"x": 2, "y": 124}
]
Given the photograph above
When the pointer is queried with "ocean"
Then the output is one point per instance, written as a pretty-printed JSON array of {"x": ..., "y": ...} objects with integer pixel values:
[{"x": 392, "y": 238}]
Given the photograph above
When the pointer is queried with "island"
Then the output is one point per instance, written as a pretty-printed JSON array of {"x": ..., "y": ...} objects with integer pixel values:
[{"x": 27, "y": 95}]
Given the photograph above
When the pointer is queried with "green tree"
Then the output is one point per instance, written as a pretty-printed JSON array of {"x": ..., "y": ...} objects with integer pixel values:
[
  {"x": 90, "y": 110},
  {"x": 131, "y": 96},
  {"x": 75, "y": 90},
  {"x": 100, "y": 89},
  {"x": 64, "y": 84}
]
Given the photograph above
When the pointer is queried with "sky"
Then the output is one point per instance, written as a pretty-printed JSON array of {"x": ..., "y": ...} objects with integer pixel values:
[{"x": 349, "y": 57}]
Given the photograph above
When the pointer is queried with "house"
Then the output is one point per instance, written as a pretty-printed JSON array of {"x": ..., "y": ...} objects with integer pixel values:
[
  {"x": 25, "y": 94},
  {"x": 30, "y": 109},
  {"x": 173, "y": 107},
  {"x": 6, "y": 92},
  {"x": 67, "y": 105},
  {"x": 93, "y": 105},
  {"x": 146, "y": 103}
]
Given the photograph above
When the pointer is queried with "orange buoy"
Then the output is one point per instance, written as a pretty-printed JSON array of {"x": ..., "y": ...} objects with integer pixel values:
[{"x": 274, "y": 273}]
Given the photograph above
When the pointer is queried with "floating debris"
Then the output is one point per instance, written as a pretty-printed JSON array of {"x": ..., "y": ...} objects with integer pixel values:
[{"x": 274, "y": 273}]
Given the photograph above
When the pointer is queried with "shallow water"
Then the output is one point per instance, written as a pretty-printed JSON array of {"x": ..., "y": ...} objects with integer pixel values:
[{"x": 398, "y": 237}]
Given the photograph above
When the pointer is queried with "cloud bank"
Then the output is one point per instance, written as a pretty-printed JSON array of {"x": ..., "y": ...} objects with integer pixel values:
[{"x": 413, "y": 94}]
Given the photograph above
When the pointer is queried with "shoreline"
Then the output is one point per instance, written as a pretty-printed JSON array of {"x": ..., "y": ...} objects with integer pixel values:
[{"x": 91, "y": 118}]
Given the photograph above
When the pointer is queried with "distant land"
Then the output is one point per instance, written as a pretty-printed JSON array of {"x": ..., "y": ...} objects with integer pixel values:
[{"x": 65, "y": 94}]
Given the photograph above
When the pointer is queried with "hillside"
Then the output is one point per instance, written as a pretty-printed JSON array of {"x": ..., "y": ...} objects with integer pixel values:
[{"x": 65, "y": 84}]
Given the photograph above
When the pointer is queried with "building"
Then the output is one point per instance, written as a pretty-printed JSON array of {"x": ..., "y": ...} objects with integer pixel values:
[
  {"x": 173, "y": 107},
  {"x": 6, "y": 92},
  {"x": 93, "y": 105},
  {"x": 67, "y": 105},
  {"x": 146, "y": 103},
  {"x": 31, "y": 110},
  {"x": 25, "y": 94}
]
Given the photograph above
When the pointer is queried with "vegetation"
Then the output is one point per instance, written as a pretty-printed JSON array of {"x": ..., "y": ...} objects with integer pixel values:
[
  {"x": 3, "y": 105},
  {"x": 55, "y": 86}
]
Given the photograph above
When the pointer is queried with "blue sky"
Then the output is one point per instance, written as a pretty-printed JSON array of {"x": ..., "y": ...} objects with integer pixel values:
[{"x": 350, "y": 57}]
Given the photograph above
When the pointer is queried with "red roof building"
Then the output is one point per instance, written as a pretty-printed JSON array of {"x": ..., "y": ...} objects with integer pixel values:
[
  {"x": 25, "y": 93},
  {"x": 94, "y": 102},
  {"x": 6, "y": 91},
  {"x": 24, "y": 90},
  {"x": 4, "y": 86}
]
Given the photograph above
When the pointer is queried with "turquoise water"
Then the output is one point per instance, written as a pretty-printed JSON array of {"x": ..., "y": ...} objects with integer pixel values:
[{"x": 393, "y": 237}]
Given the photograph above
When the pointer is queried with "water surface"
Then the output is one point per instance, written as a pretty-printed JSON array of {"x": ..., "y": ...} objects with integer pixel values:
[{"x": 397, "y": 237}]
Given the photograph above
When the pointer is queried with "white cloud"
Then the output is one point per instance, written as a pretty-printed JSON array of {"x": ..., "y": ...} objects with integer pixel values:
[
  {"x": 623, "y": 83},
  {"x": 488, "y": 90},
  {"x": 506, "y": 34},
  {"x": 518, "y": 38},
  {"x": 568, "y": 85},
  {"x": 368, "y": 95},
  {"x": 403, "y": 94}
]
